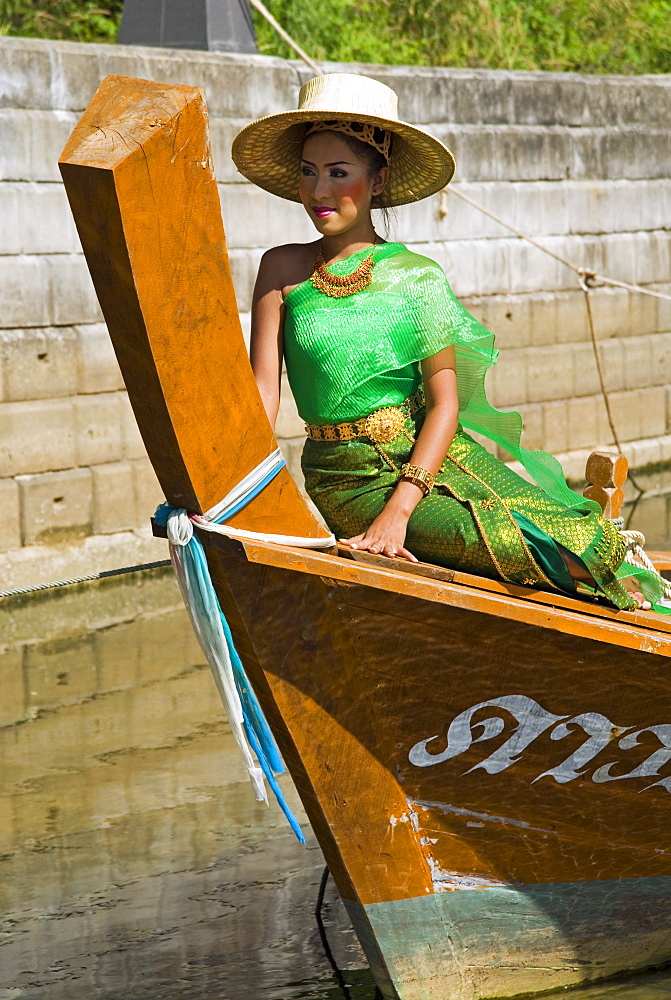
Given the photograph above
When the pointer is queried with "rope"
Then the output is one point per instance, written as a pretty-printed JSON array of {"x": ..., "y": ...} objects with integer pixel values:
[
  {"x": 588, "y": 280},
  {"x": 239, "y": 497},
  {"x": 264, "y": 12},
  {"x": 595, "y": 280},
  {"x": 35, "y": 588},
  {"x": 602, "y": 380},
  {"x": 585, "y": 274},
  {"x": 635, "y": 540}
]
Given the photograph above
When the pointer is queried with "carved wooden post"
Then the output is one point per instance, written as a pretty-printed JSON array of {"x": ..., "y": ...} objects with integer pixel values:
[
  {"x": 606, "y": 474},
  {"x": 139, "y": 177}
]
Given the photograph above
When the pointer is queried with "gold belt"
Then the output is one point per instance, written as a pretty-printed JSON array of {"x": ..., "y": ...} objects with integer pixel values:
[{"x": 381, "y": 426}]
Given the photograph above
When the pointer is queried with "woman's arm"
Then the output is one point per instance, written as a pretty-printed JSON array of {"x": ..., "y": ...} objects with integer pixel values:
[
  {"x": 387, "y": 532},
  {"x": 266, "y": 345}
]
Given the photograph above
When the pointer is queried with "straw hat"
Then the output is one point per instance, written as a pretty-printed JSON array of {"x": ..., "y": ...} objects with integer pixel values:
[{"x": 268, "y": 151}]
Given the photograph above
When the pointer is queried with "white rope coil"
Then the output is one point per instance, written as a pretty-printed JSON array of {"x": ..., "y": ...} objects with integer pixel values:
[
  {"x": 636, "y": 554},
  {"x": 207, "y": 521}
]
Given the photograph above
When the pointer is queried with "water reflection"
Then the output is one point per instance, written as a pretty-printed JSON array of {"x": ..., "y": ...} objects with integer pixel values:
[
  {"x": 650, "y": 513},
  {"x": 134, "y": 862}
]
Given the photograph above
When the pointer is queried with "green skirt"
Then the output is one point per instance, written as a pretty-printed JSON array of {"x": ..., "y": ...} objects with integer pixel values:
[{"x": 481, "y": 517}]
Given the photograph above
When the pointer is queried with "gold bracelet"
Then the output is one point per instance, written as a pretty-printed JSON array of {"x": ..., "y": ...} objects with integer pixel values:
[{"x": 419, "y": 476}]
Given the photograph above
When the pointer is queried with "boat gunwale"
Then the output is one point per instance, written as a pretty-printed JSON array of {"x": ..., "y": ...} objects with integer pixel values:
[{"x": 639, "y": 630}]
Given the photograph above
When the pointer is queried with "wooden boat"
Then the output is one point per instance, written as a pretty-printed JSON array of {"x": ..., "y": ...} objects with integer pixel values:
[{"x": 487, "y": 768}]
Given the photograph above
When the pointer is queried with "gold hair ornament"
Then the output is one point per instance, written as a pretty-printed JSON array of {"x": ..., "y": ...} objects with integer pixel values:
[{"x": 378, "y": 138}]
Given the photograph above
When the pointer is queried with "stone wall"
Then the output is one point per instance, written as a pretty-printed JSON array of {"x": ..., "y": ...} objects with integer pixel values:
[{"x": 579, "y": 162}]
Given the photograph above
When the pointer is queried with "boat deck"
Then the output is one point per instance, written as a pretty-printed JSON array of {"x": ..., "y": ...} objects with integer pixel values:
[{"x": 588, "y": 617}]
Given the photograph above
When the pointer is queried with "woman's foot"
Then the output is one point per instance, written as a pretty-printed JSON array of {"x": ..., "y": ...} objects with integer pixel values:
[{"x": 630, "y": 584}]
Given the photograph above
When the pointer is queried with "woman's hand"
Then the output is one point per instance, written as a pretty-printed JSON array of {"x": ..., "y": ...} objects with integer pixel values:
[{"x": 385, "y": 536}]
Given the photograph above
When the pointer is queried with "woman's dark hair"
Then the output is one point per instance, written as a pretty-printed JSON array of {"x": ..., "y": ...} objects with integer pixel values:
[{"x": 363, "y": 151}]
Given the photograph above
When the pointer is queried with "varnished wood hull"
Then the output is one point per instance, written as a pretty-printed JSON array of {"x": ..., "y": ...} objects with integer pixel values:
[
  {"x": 477, "y": 760},
  {"x": 463, "y": 883}
]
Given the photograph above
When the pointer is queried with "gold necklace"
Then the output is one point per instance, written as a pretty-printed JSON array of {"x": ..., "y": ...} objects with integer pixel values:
[{"x": 339, "y": 286}]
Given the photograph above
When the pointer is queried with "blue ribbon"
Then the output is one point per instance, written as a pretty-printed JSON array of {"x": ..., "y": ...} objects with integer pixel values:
[{"x": 255, "y": 724}]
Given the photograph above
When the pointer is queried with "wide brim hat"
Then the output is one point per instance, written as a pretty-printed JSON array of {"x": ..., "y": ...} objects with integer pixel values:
[{"x": 268, "y": 151}]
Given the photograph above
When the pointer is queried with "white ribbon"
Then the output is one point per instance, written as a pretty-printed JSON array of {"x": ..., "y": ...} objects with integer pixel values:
[
  {"x": 210, "y": 634},
  {"x": 247, "y": 485},
  {"x": 200, "y": 601}
]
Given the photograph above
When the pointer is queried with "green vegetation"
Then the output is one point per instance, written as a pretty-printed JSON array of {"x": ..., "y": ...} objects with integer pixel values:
[
  {"x": 74, "y": 20},
  {"x": 588, "y": 36}
]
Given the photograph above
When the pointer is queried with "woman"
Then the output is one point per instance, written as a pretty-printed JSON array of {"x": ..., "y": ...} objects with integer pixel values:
[{"x": 387, "y": 367}]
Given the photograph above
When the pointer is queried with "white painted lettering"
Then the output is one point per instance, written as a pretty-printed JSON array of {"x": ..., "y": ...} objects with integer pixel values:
[{"x": 532, "y": 720}]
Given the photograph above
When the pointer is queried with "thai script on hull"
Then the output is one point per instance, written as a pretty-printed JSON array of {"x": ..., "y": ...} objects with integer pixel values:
[{"x": 532, "y": 721}]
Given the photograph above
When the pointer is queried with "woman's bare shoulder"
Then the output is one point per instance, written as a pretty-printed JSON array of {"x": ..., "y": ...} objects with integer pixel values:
[{"x": 288, "y": 265}]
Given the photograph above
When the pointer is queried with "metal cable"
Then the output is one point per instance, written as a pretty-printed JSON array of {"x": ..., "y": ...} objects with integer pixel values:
[
  {"x": 337, "y": 972},
  {"x": 83, "y": 579}
]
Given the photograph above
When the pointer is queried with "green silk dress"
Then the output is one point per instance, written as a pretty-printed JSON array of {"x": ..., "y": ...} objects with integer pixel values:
[{"x": 347, "y": 357}]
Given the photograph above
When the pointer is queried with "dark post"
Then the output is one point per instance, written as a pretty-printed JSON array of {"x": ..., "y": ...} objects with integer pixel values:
[{"x": 217, "y": 25}]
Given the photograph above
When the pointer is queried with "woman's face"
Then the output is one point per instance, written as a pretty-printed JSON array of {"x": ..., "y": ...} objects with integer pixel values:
[{"x": 335, "y": 186}]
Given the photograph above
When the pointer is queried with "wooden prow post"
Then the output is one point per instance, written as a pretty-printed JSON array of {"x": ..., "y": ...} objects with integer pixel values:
[
  {"x": 138, "y": 174},
  {"x": 606, "y": 474}
]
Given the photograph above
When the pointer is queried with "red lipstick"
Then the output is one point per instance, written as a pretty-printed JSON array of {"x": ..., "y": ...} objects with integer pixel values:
[{"x": 322, "y": 211}]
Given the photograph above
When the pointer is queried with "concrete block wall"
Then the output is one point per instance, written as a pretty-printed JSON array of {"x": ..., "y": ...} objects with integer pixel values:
[{"x": 580, "y": 163}]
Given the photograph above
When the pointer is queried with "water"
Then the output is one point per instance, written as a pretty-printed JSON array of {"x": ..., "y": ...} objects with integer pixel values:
[
  {"x": 135, "y": 863},
  {"x": 651, "y": 513}
]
